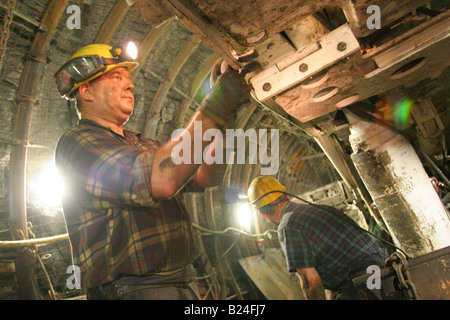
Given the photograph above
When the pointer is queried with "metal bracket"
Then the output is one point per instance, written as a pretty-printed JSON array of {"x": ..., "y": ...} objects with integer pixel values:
[
  {"x": 428, "y": 122},
  {"x": 313, "y": 58}
]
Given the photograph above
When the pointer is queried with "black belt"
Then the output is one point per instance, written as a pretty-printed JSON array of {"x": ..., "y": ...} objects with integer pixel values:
[{"x": 116, "y": 291}]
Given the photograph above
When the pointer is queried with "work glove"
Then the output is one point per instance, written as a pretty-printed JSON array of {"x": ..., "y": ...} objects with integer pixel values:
[{"x": 229, "y": 92}]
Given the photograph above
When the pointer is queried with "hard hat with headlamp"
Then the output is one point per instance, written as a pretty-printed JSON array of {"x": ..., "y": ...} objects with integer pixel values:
[
  {"x": 263, "y": 188},
  {"x": 91, "y": 62}
]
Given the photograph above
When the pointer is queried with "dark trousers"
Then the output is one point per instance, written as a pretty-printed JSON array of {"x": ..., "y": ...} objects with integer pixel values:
[
  {"x": 177, "y": 286},
  {"x": 347, "y": 290},
  {"x": 142, "y": 292}
]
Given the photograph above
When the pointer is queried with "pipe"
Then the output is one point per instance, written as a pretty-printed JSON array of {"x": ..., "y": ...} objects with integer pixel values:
[
  {"x": 27, "y": 98},
  {"x": 436, "y": 168},
  {"x": 346, "y": 169},
  {"x": 164, "y": 88},
  {"x": 51, "y": 290},
  {"x": 32, "y": 242}
]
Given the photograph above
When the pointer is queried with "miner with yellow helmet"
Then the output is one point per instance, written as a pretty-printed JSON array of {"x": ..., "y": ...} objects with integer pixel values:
[
  {"x": 130, "y": 232},
  {"x": 322, "y": 244},
  {"x": 91, "y": 62},
  {"x": 265, "y": 193}
]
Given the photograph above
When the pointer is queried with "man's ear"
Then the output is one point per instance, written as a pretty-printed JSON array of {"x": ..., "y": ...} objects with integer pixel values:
[{"x": 86, "y": 91}]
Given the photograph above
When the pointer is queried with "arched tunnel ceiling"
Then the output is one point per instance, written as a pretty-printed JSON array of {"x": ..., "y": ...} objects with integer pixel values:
[
  {"x": 176, "y": 56},
  {"x": 175, "y": 59},
  {"x": 170, "y": 83}
]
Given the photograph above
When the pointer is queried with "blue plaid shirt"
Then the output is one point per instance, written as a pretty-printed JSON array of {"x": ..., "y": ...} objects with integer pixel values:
[{"x": 324, "y": 238}]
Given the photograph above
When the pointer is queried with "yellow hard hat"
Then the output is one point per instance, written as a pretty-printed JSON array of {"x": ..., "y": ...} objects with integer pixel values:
[
  {"x": 262, "y": 185},
  {"x": 89, "y": 63}
]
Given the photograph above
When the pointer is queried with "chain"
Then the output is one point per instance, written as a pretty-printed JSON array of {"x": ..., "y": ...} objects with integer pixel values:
[
  {"x": 400, "y": 265},
  {"x": 19, "y": 234},
  {"x": 6, "y": 27},
  {"x": 31, "y": 234}
]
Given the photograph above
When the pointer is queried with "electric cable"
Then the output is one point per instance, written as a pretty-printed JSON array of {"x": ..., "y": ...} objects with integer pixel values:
[
  {"x": 233, "y": 229},
  {"x": 230, "y": 247},
  {"x": 325, "y": 208}
]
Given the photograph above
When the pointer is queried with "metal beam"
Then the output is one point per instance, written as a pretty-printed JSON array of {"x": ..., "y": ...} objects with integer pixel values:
[
  {"x": 27, "y": 98},
  {"x": 112, "y": 22},
  {"x": 147, "y": 45},
  {"x": 206, "y": 31},
  {"x": 180, "y": 116},
  {"x": 158, "y": 101},
  {"x": 191, "y": 205},
  {"x": 226, "y": 181},
  {"x": 223, "y": 265}
]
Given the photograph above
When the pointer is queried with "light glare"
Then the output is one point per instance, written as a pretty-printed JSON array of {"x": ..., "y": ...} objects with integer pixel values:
[
  {"x": 245, "y": 216},
  {"x": 48, "y": 188},
  {"x": 132, "y": 50}
]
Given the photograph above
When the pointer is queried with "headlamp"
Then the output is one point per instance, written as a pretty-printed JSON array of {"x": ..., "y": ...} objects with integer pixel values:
[
  {"x": 125, "y": 53},
  {"x": 132, "y": 50}
]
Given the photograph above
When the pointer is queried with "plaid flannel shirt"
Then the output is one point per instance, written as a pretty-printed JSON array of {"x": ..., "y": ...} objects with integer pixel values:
[
  {"x": 115, "y": 226},
  {"x": 325, "y": 239}
]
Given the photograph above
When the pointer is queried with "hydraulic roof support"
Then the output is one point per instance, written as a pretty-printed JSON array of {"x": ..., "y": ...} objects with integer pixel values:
[{"x": 400, "y": 187}]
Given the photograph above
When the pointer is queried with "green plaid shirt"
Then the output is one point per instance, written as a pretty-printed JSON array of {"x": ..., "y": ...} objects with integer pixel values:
[
  {"x": 324, "y": 238},
  {"x": 115, "y": 226}
]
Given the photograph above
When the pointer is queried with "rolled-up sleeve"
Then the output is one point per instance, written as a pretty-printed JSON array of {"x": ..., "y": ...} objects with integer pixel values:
[{"x": 299, "y": 253}]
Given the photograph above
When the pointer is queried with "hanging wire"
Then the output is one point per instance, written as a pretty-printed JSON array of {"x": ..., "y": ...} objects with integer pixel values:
[
  {"x": 51, "y": 291},
  {"x": 223, "y": 232},
  {"x": 232, "y": 245},
  {"x": 210, "y": 286}
]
